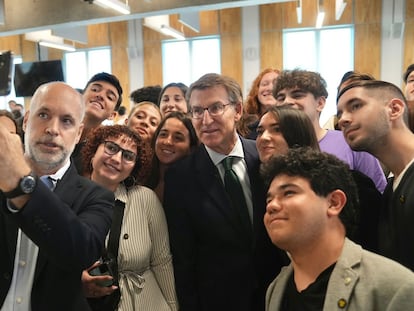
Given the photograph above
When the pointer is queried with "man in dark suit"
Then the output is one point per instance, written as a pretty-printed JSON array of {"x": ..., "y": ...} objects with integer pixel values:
[
  {"x": 50, "y": 230},
  {"x": 223, "y": 258}
]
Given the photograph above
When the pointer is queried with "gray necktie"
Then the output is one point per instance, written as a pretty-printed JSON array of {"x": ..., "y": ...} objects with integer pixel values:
[{"x": 48, "y": 181}]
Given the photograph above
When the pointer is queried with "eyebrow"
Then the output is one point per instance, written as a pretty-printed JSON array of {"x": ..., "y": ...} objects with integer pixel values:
[
  {"x": 260, "y": 126},
  {"x": 351, "y": 101},
  {"x": 295, "y": 91},
  {"x": 283, "y": 187},
  {"x": 288, "y": 185},
  {"x": 100, "y": 85}
]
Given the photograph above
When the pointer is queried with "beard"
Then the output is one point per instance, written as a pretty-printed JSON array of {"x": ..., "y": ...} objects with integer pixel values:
[
  {"x": 48, "y": 161},
  {"x": 374, "y": 138}
]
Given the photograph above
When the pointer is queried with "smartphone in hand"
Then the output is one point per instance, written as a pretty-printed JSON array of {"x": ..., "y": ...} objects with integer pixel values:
[{"x": 103, "y": 269}]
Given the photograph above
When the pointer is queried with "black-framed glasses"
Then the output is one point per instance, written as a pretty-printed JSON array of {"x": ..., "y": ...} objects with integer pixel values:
[
  {"x": 112, "y": 148},
  {"x": 214, "y": 110}
]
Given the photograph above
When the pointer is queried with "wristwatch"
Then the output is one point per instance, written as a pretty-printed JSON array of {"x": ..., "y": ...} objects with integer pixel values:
[{"x": 26, "y": 185}]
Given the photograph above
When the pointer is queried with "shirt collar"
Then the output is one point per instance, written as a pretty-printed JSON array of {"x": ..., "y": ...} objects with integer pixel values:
[
  {"x": 60, "y": 172},
  {"x": 237, "y": 151}
]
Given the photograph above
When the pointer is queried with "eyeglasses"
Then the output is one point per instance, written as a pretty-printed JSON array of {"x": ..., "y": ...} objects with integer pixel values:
[
  {"x": 214, "y": 110},
  {"x": 112, "y": 148}
]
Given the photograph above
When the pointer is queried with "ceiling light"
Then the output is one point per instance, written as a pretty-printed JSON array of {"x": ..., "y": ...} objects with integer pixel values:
[
  {"x": 55, "y": 45},
  {"x": 115, "y": 5},
  {"x": 299, "y": 11},
  {"x": 167, "y": 30},
  {"x": 321, "y": 14},
  {"x": 339, "y": 8}
]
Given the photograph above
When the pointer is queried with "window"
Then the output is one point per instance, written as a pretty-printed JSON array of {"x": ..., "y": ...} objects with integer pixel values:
[
  {"x": 80, "y": 66},
  {"x": 5, "y": 99},
  {"x": 186, "y": 61},
  {"x": 329, "y": 51}
]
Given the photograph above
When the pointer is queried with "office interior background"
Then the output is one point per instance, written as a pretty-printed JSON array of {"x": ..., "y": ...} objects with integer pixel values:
[{"x": 235, "y": 38}]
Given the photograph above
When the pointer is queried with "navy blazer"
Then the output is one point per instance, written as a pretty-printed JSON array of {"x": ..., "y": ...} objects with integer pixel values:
[
  {"x": 217, "y": 265},
  {"x": 69, "y": 225}
]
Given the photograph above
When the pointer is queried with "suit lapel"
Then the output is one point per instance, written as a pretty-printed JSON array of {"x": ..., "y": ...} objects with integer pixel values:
[
  {"x": 256, "y": 184},
  {"x": 210, "y": 180},
  {"x": 9, "y": 230},
  {"x": 274, "y": 298},
  {"x": 67, "y": 186},
  {"x": 65, "y": 189},
  {"x": 344, "y": 277}
]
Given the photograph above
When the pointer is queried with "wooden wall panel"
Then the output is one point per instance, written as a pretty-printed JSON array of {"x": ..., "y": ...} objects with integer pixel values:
[
  {"x": 11, "y": 43},
  {"x": 98, "y": 35},
  {"x": 283, "y": 15},
  {"x": 368, "y": 49},
  {"x": 367, "y": 43},
  {"x": 118, "y": 36},
  {"x": 278, "y": 16},
  {"x": 209, "y": 24},
  {"x": 409, "y": 34},
  {"x": 231, "y": 44},
  {"x": 152, "y": 57},
  {"x": 271, "y": 43},
  {"x": 227, "y": 23},
  {"x": 271, "y": 16},
  {"x": 408, "y": 44},
  {"x": 54, "y": 54},
  {"x": 330, "y": 18},
  {"x": 368, "y": 11},
  {"x": 367, "y": 29},
  {"x": 29, "y": 54},
  {"x": 271, "y": 50},
  {"x": 308, "y": 14}
]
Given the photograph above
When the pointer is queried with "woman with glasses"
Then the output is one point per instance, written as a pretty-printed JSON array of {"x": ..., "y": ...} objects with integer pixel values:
[{"x": 114, "y": 155}]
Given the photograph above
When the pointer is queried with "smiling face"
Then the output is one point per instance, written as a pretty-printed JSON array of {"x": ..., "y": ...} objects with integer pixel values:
[
  {"x": 218, "y": 132},
  {"x": 302, "y": 100},
  {"x": 173, "y": 142},
  {"x": 109, "y": 170},
  {"x": 100, "y": 100},
  {"x": 172, "y": 100},
  {"x": 52, "y": 126},
  {"x": 270, "y": 140},
  {"x": 144, "y": 120},
  {"x": 295, "y": 215},
  {"x": 265, "y": 95}
]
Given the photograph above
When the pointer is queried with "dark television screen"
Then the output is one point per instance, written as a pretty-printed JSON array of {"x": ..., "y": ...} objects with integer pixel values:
[
  {"x": 6, "y": 68},
  {"x": 28, "y": 76}
]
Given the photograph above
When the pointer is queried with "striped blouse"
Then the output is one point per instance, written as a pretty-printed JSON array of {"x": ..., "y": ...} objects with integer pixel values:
[{"x": 146, "y": 278}]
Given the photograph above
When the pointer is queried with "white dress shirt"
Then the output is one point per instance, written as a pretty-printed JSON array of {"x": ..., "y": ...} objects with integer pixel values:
[{"x": 239, "y": 167}]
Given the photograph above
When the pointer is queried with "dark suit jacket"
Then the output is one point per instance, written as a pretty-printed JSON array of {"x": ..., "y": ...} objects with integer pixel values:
[
  {"x": 69, "y": 226},
  {"x": 396, "y": 229},
  {"x": 216, "y": 264}
]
